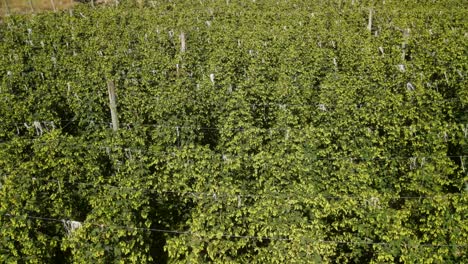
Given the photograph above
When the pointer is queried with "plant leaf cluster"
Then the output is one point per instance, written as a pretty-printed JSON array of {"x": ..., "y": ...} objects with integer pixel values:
[{"x": 250, "y": 132}]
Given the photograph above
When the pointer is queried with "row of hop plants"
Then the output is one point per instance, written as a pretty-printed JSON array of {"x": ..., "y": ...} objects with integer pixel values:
[{"x": 254, "y": 132}]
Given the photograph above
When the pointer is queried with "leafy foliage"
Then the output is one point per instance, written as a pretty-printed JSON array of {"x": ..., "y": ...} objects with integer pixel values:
[{"x": 251, "y": 132}]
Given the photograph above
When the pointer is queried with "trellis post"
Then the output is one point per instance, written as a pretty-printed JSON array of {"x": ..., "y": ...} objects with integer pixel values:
[{"x": 113, "y": 105}]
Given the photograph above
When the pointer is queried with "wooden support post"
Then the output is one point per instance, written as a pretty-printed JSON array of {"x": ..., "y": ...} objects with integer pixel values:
[
  {"x": 7, "y": 7},
  {"x": 53, "y": 5},
  {"x": 406, "y": 34},
  {"x": 182, "y": 42},
  {"x": 31, "y": 6},
  {"x": 369, "y": 24},
  {"x": 113, "y": 105}
]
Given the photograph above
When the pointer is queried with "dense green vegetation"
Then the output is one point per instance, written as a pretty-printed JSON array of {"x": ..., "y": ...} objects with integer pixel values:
[{"x": 250, "y": 132}]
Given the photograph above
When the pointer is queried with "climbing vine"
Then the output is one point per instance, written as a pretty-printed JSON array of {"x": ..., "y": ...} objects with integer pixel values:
[{"x": 249, "y": 132}]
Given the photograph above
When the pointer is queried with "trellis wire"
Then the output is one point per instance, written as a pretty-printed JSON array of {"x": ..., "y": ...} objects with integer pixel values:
[
  {"x": 229, "y": 236},
  {"x": 176, "y": 128},
  {"x": 215, "y": 195},
  {"x": 226, "y": 155}
]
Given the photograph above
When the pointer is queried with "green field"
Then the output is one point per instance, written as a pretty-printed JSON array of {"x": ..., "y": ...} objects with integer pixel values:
[{"x": 222, "y": 131}]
